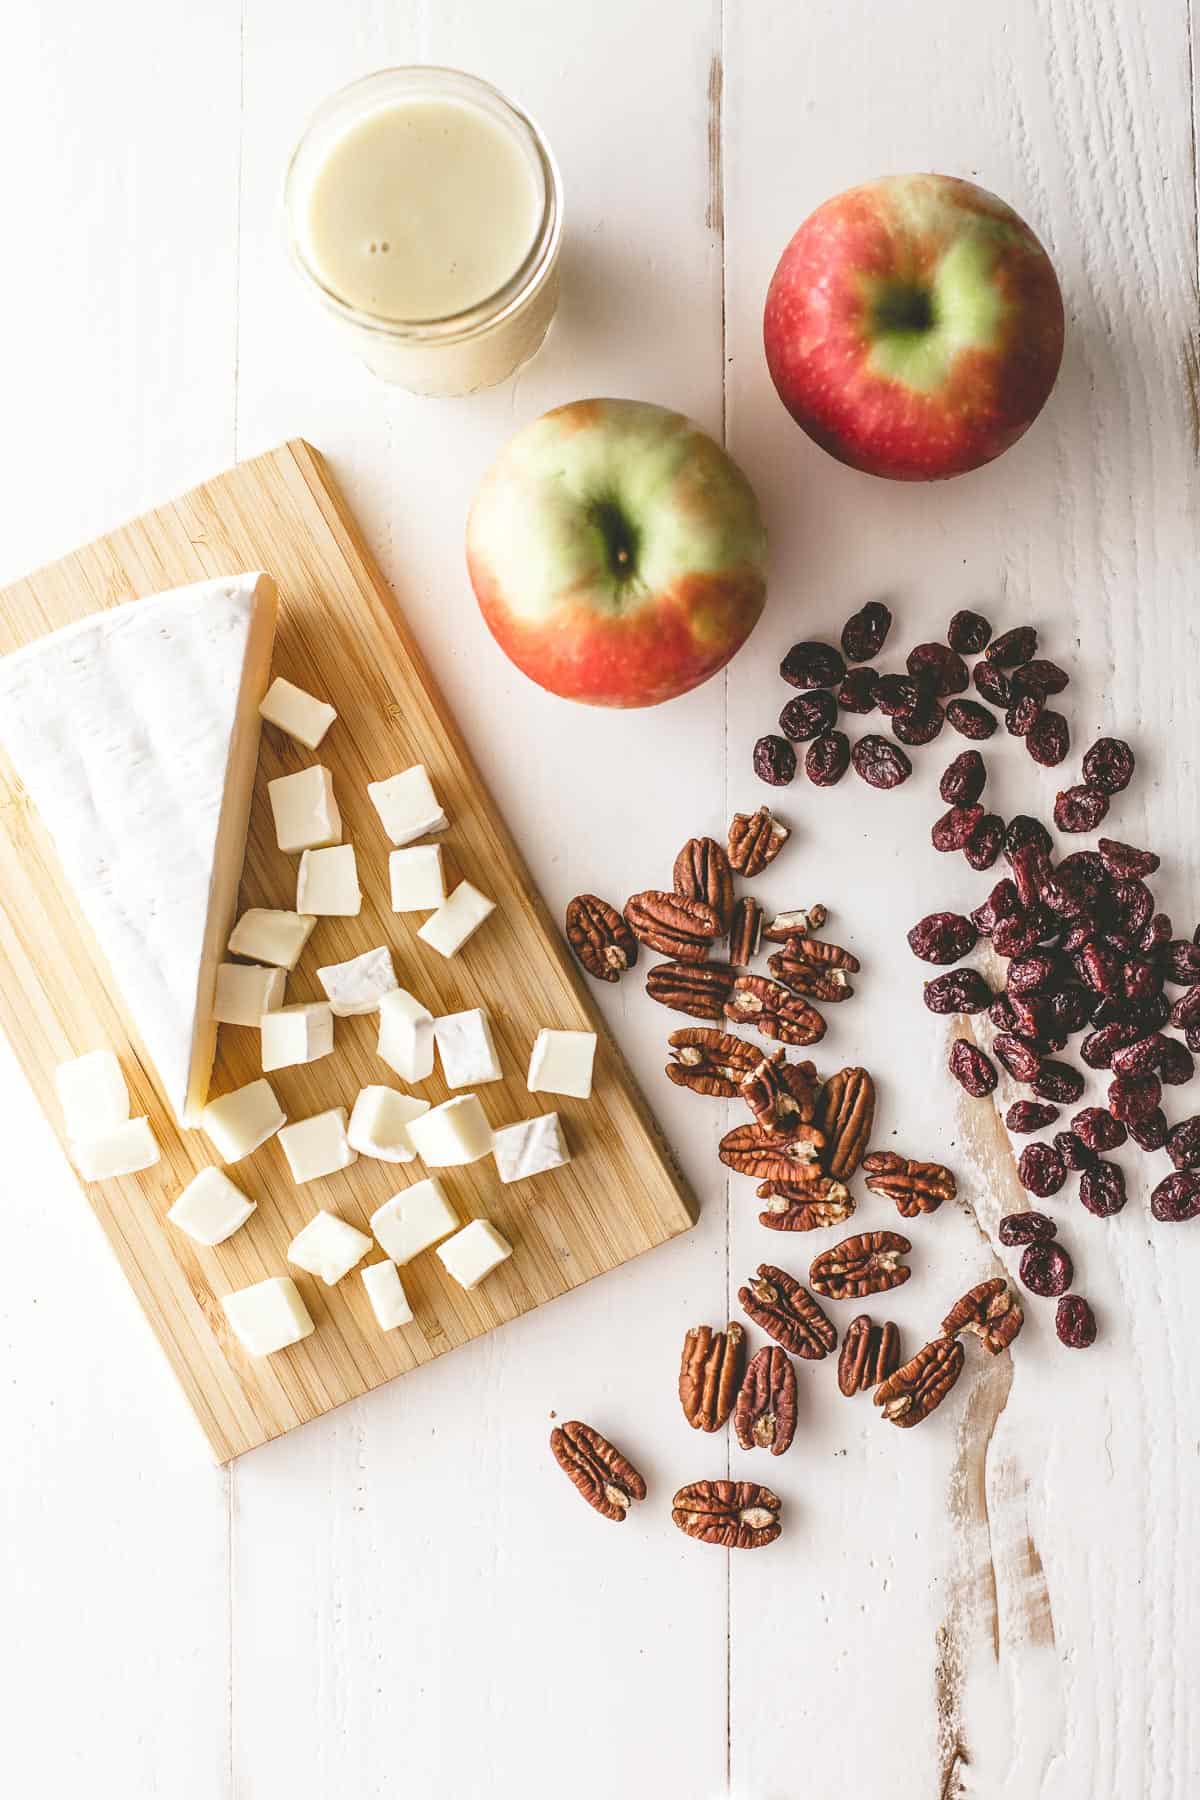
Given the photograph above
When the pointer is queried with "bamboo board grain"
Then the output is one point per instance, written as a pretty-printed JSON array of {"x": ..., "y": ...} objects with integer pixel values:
[{"x": 342, "y": 635}]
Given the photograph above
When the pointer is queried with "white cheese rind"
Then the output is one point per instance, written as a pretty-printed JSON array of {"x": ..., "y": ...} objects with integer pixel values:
[
  {"x": 135, "y": 733},
  {"x": 301, "y": 715},
  {"x": 379, "y": 1124},
  {"x": 296, "y": 1034},
  {"x": 328, "y": 1247},
  {"x": 327, "y": 884},
  {"x": 417, "y": 881},
  {"x": 244, "y": 993},
  {"x": 474, "y": 1252},
  {"x": 266, "y": 935},
  {"x": 318, "y": 1145},
  {"x": 406, "y": 1035},
  {"x": 454, "y": 1133},
  {"x": 456, "y": 920},
  {"x": 413, "y": 1220},
  {"x": 561, "y": 1063},
  {"x": 359, "y": 984},
  {"x": 385, "y": 1291},
  {"x": 124, "y": 1150},
  {"x": 268, "y": 1316},
  {"x": 467, "y": 1048},
  {"x": 407, "y": 806},
  {"x": 211, "y": 1208},
  {"x": 238, "y": 1123},
  {"x": 92, "y": 1093},
  {"x": 530, "y": 1147}
]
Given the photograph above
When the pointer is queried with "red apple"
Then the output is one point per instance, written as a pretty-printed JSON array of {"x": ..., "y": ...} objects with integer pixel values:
[
  {"x": 617, "y": 553},
  {"x": 914, "y": 327}
]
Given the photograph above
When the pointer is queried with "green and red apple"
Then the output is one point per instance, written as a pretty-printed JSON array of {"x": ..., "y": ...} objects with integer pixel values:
[
  {"x": 617, "y": 553},
  {"x": 914, "y": 327}
]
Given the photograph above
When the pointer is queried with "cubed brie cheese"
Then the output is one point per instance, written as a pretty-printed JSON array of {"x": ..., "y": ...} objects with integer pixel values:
[
  {"x": 474, "y": 1252},
  {"x": 239, "y": 1122},
  {"x": 457, "y": 919},
  {"x": 268, "y": 1316},
  {"x": 296, "y": 1034},
  {"x": 529, "y": 1147},
  {"x": 122, "y": 1150},
  {"x": 358, "y": 985},
  {"x": 418, "y": 884},
  {"x": 306, "y": 813},
  {"x": 318, "y": 1145},
  {"x": 301, "y": 715},
  {"x": 244, "y": 994},
  {"x": 451, "y": 1134},
  {"x": 379, "y": 1124},
  {"x": 211, "y": 1208},
  {"x": 385, "y": 1291},
  {"x": 328, "y": 1247},
  {"x": 407, "y": 805},
  {"x": 328, "y": 883},
  {"x": 406, "y": 1035},
  {"x": 467, "y": 1049},
  {"x": 414, "y": 1219},
  {"x": 92, "y": 1093},
  {"x": 267, "y": 936},
  {"x": 561, "y": 1063}
]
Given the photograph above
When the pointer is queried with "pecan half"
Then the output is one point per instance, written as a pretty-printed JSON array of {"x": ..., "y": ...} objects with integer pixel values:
[
  {"x": 788, "y": 1313},
  {"x": 807, "y": 1206},
  {"x": 867, "y": 1264},
  {"x": 765, "y": 1415},
  {"x": 709, "y": 1372},
  {"x": 607, "y": 1480},
  {"x": 846, "y": 1113},
  {"x": 808, "y": 977},
  {"x": 710, "y": 1062},
  {"x": 673, "y": 925},
  {"x": 869, "y": 1355},
  {"x": 911, "y": 1393},
  {"x": 702, "y": 872},
  {"x": 991, "y": 1310},
  {"x": 701, "y": 989},
  {"x": 600, "y": 937},
  {"x": 916, "y": 1187},
  {"x": 745, "y": 931},
  {"x": 797, "y": 923},
  {"x": 771, "y": 1155},
  {"x": 780, "y": 1094},
  {"x": 821, "y": 951},
  {"x": 755, "y": 839},
  {"x": 737, "y": 1515},
  {"x": 774, "y": 1011}
]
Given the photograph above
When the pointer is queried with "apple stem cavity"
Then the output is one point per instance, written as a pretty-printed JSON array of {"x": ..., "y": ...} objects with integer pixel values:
[
  {"x": 902, "y": 307},
  {"x": 618, "y": 537}
]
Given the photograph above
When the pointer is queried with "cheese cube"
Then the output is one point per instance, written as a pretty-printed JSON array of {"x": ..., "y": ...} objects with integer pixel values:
[
  {"x": 379, "y": 1124},
  {"x": 529, "y": 1147},
  {"x": 318, "y": 1145},
  {"x": 386, "y": 1293},
  {"x": 306, "y": 813},
  {"x": 301, "y": 715},
  {"x": 210, "y": 1208},
  {"x": 474, "y": 1252},
  {"x": 358, "y": 985},
  {"x": 414, "y": 1219},
  {"x": 328, "y": 1247},
  {"x": 92, "y": 1093},
  {"x": 407, "y": 805},
  {"x": 562, "y": 1063},
  {"x": 239, "y": 1122},
  {"x": 457, "y": 919},
  {"x": 406, "y": 1035},
  {"x": 122, "y": 1150},
  {"x": 328, "y": 883},
  {"x": 267, "y": 936},
  {"x": 268, "y": 1316},
  {"x": 296, "y": 1034},
  {"x": 244, "y": 994},
  {"x": 451, "y": 1134},
  {"x": 418, "y": 884},
  {"x": 467, "y": 1048}
]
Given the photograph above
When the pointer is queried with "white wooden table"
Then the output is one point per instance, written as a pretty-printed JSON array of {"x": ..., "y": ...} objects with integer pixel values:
[{"x": 406, "y": 1598}]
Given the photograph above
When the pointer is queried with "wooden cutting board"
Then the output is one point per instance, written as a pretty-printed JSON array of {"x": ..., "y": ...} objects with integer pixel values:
[{"x": 342, "y": 635}]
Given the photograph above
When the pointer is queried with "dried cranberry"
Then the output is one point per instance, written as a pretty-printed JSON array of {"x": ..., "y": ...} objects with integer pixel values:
[
  {"x": 1192, "y": 1038},
  {"x": 919, "y": 724},
  {"x": 1041, "y": 1170},
  {"x": 897, "y": 693},
  {"x": 1102, "y": 1189},
  {"x": 808, "y": 715},
  {"x": 1150, "y": 1133},
  {"x": 992, "y": 684},
  {"x": 1108, "y": 765},
  {"x": 1023, "y": 714},
  {"x": 1143, "y": 978},
  {"x": 880, "y": 763},
  {"x": 1177, "y": 1198},
  {"x": 827, "y": 759},
  {"x": 1080, "y": 808},
  {"x": 944, "y": 666},
  {"x": 1181, "y": 964},
  {"x": 964, "y": 779},
  {"x": 942, "y": 937},
  {"x": 1131, "y": 905},
  {"x": 1025, "y": 830},
  {"x": 1133, "y": 1096},
  {"x": 774, "y": 761},
  {"x": 970, "y": 719},
  {"x": 1024, "y": 1116},
  {"x": 1012, "y": 647},
  {"x": 1048, "y": 739},
  {"x": 1021, "y": 1062},
  {"x": 985, "y": 842},
  {"x": 1065, "y": 894},
  {"x": 1041, "y": 677},
  {"x": 968, "y": 633},
  {"x": 857, "y": 692},
  {"x": 1176, "y": 1065},
  {"x": 953, "y": 831},
  {"x": 1058, "y": 1081},
  {"x": 1034, "y": 974},
  {"x": 971, "y": 1068},
  {"x": 812, "y": 665},
  {"x": 958, "y": 991},
  {"x": 1013, "y": 937},
  {"x": 1075, "y": 1153},
  {"x": 1124, "y": 862},
  {"x": 1186, "y": 1010},
  {"x": 1099, "y": 1047},
  {"x": 1098, "y": 1129},
  {"x": 1155, "y": 933},
  {"x": 1071, "y": 1008},
  {"x": 1046, "y": 1269},
  {"x": 1083, "y": 929},
  {"x": 1183, "y": 1144},
  {"x": 1075, "y": 1322},
  {"x": 1142, "y": 1057},
  {"x": 1027, "y": 1228},
  {"x": 1000, "y": 1012},
  {"x": 1151, "y": 1013},
  {"x": 1001, "y": 903},
  {"x": 1030, "y": 867},
  {"x": 1101, "y": 968},
  {"x": 865, "y": 632}
]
